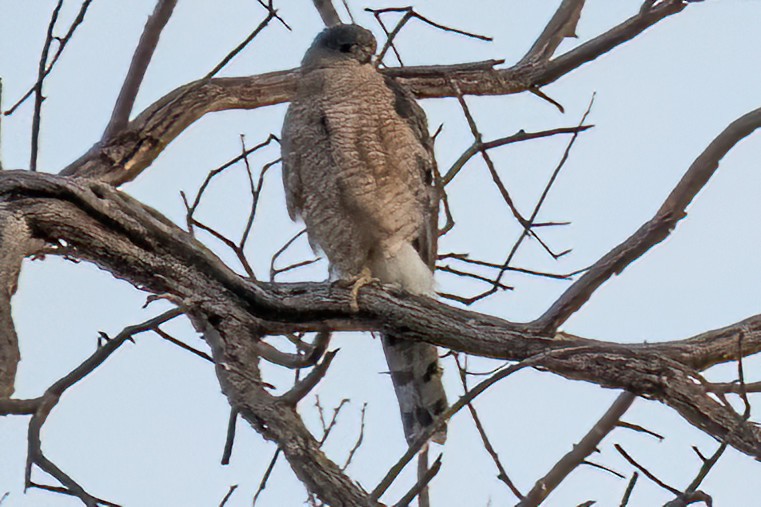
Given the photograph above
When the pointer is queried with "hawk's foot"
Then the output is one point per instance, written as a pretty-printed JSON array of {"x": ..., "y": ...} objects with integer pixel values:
[{"x": 364, "y": 278}]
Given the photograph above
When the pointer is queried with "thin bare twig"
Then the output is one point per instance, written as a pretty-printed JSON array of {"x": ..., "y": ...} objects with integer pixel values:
[
  {"x": 503, "y": 141},
  {"x": 327, "y": 428},
  {"x": 276, "y": 271},
  {"x": 62, "y": 42},
  {"x": 485, "y": 154},
  {"x": 502, "y": 476},
  {"x": 171, "y": 339},
  {"x": 38, "y": 98},
  {"x": 230, "y": 439},
  {"x": 409, "y": 13},
  {"x": 228, "y": 495},
  {"x": 646, "y": 472},
  {"x": 629, "y": 489},
  {"x": 359, "y": 440},
  {"x": 637, "y": 427},
  {"x": 265, "y": 477},
  {"x": 527, "y": 230},
  {"x": 305, "y": 386}
]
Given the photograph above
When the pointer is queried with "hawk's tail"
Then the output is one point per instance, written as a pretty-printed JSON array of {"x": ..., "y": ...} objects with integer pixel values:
[{"x": 416, "y": 375}]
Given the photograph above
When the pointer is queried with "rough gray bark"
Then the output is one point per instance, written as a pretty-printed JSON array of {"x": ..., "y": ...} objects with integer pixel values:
[{"x": 134, "y": 242}]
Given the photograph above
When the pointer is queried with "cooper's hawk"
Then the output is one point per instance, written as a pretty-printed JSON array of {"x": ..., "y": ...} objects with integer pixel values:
[{"x": 358, "y": 167}]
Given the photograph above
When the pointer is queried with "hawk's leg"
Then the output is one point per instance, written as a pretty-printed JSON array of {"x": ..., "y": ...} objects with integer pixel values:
[{"x": 364, "y": 278}]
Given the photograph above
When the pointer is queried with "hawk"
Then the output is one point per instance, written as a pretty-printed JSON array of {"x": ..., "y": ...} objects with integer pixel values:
[{"x": 358, "y": 168}]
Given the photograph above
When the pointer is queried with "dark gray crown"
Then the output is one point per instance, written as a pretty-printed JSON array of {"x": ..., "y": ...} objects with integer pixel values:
[{"x": 341, "y": 42}]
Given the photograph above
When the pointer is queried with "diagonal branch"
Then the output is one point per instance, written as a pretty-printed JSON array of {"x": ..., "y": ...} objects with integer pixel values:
[
  {"x": 327, "y": 12},
  {"x": 561, "y": 26},
  {"x": 656, "y": 229},
  {"x": 579, "y": 453},
  {"x": 140, "y": 61}
]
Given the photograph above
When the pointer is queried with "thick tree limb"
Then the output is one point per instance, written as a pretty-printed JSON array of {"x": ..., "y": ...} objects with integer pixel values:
[
  {"x": 15, "y": 244},
  {"x": 119, "y": 234}
]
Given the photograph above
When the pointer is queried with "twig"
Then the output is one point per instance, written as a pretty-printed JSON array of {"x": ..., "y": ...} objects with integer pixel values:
[
  {"x": 239, "y": 247},
  {"x": 502, "y": 476},
  {"x": 603, "y": 468},
  {"x": 449, "y": 269},
  {"x": 463, "y": 257},
  {"x": 580, "y": 451},
  {"x": 276, "y": 271},
  {"x": 636, "y": 427},
  {"x": 348, "y": 11},
  {"x": 421, "y": 484},
  {"x": 485, "y": 154},
  {"x": 359, "y": 440},
  {"x": 62, "y": 42},
  {"x": 38, "y": 98},
  {"x": 67, "y": 492},
  {"x": 171, "y": 339},
  {"x": 228, "y": 495},
  {"x": 265, "y": 477},
  {"x": 629, "y": 489},
  {"x": 527, "y": 230},
  {"x": 214, "y": 172},
  {"x": 275, "y": 14},
  {"x": 230, "y": 439},
  {"x": 327, "y": 428},
  {"x": 503, "y": 141},
  {"x": 410, "y": 13},
  {"x": 646, "y": 472},
  {"x": 140, "y": 61}
]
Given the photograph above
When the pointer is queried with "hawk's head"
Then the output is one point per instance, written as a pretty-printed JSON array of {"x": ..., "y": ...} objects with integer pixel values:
[{"x": 341, "y": 43}]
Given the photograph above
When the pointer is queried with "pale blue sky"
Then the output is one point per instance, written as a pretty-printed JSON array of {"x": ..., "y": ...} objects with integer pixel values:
[{"x": 147, "y": 429}]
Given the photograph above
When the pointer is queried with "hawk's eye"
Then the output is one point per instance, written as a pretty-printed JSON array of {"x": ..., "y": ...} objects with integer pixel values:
[{"x": 346, "y": 48}]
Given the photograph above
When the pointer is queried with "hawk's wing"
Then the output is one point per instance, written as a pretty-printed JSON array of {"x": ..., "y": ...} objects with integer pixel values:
[
  {"x": 414, "y": 366},
  {"x": 407, "y": 107}
]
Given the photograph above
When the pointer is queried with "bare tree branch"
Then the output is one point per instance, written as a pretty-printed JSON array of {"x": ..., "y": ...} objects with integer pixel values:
[
  {"x": 586, "y": 446},
  {"x": 38, "y": 98},
  {"x": 562, "y": 25},
  {"x": 62, "y": 42},
  {"x": 421, "y": 485},
  {"x": 656, "y": 229},
  {"x": 123, "y": 159},
  {"x": 327, "y": 12},
  {"x": 140, "y": 60}
]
